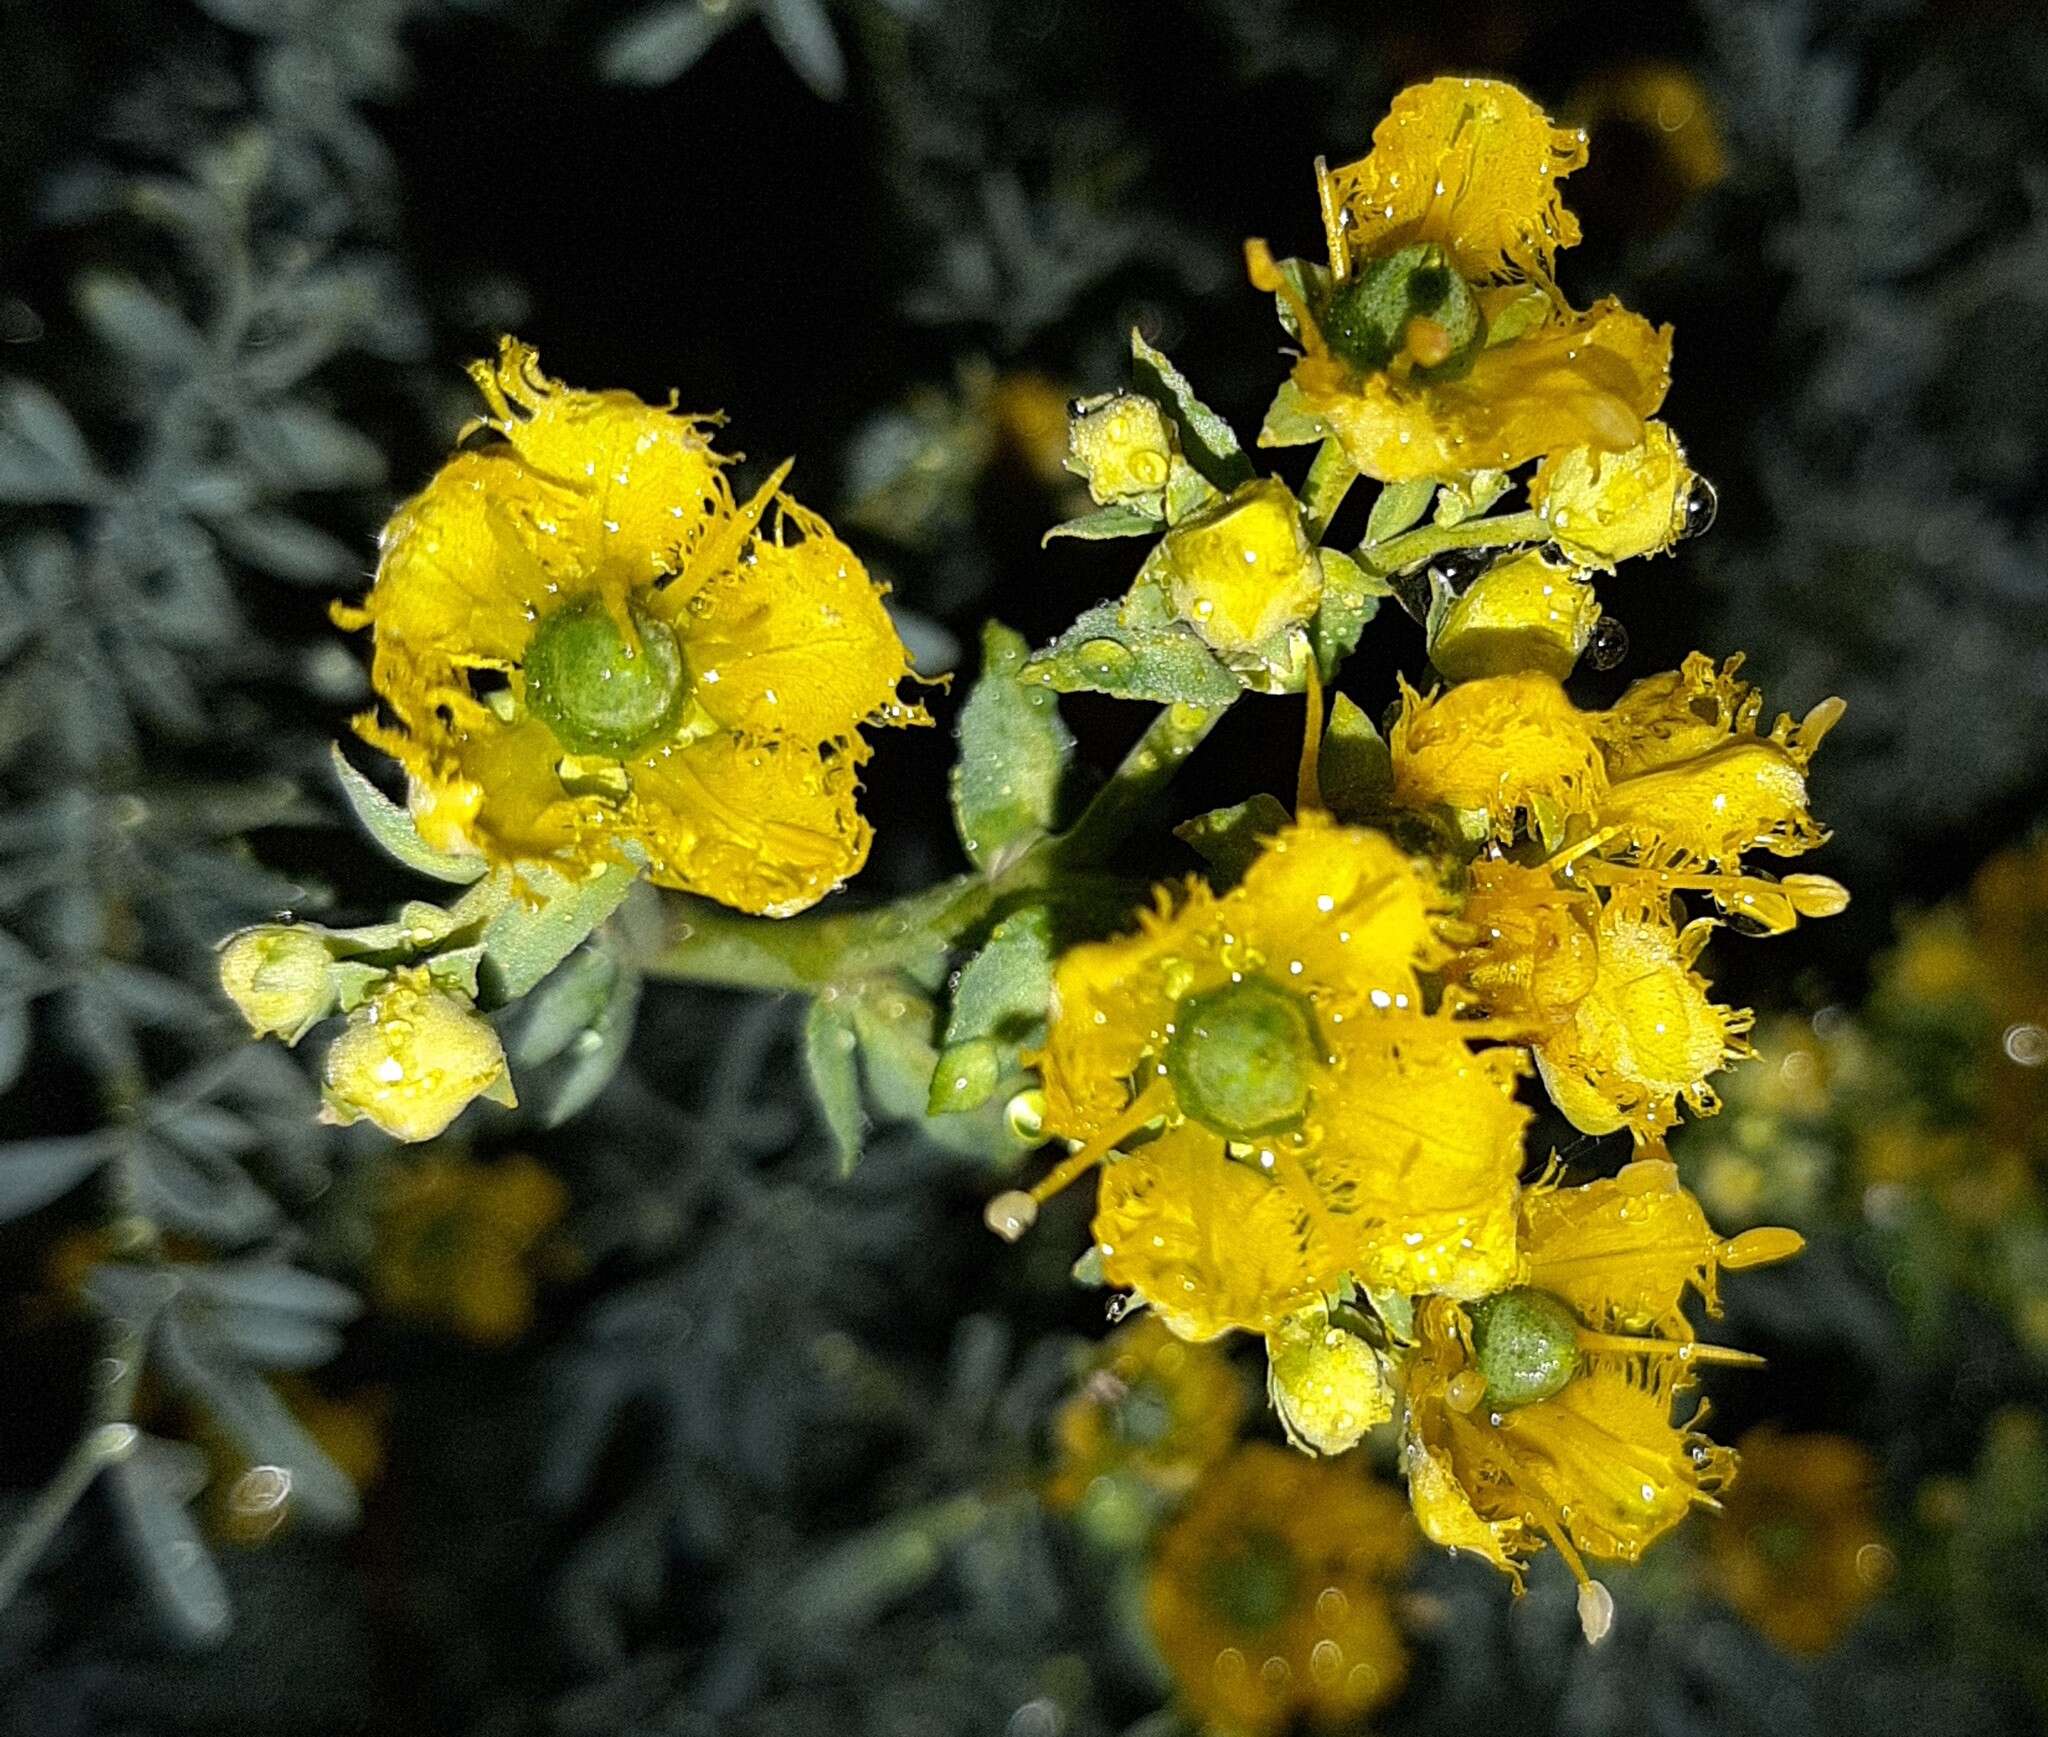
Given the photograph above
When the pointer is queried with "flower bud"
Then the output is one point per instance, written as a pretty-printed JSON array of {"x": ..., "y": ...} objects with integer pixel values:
[
  {"x": 1244, "y": 570},
  {"x": 280, "y": 978},
  {"x": 1607, "y": 507},
  {"x": 1122, "y": 445},
  {"x": 412, "y": 1059},
  {"x": 1325, "y": 1384},
  {"x": 1526, "y": 613}
]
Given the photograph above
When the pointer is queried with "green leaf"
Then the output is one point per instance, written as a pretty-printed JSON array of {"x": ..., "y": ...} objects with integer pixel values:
[
  {"x": 1124, "y": 648},
  {"x": 965, "y": 1077},
  {"x": 1004, "y": 990},
  {"x": 1356, "y": 771},
  {"x": 1014, "y": 755},
  {"x": 663, "y": 42},
  {"x": 829, "y": 1057},
  {"x": 393, "y": 828},
  {"x": 575, "y": 1032},
  {"x": 1351, "y": 598},
  {"x": 1229, "y": 839},
  {"x": 1399, "y": 505},
  {"x": 1469, "y": 496},
  {"x": 895, "y": 1024},
  {"x": 1113, "y": 521},
  {"x": 1290, "y": 420},
  {"x": 1210, "y": 444},
  {"x": 525, "y": 942}
]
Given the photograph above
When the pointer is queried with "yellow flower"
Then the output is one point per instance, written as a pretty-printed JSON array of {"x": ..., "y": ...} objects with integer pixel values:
[
  {"x": 1153, "y": 1408},
  {"x": 1531, "y": 1417},
  {"x": 592, "y": 653},
  {"x": 412, "y": 1059},
  {"x": 1287, "y": 1114},
  {"x": 1508, "y": 748},
  {"x": 1442, "y": 345},
  {"x": 455, "y": 1242},
  {"x": 1325, "y": 1384},
  {"x": 1606, "y": 507},
  {"x": 1798, "y": 1550},
  {"x": 280, "y": 979},
  {"x": 1269, "y": 1596},
  {"x": 1524, "y": 613},
  {"x": 1244, "y": 570},
  {"x": 1645, "y": 1036}
]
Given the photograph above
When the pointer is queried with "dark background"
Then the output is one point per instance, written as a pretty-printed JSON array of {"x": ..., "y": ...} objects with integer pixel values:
[{"x": 599, "y": 1530}]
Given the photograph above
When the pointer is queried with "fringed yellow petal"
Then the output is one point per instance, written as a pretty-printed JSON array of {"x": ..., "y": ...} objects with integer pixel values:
[
  {"x": 1212, "y": 1242},
  {"x": 1646, "y": 1037},
  {"x": 1507, "y": 747},
  {"x": 1612, "y": 1464},
  {"x": 1472, "y": 165}
]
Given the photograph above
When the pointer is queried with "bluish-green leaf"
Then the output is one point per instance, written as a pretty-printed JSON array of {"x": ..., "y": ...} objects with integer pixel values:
[
  {"x": 1014, "y": 754},
  {"x": 525, "y": 942},
  {"x": 1211, "y": 445},
  {"x": 1356, "y": 771},
  {"x": 830, "y": 1046},
  {"x": 1351, "y": 598},
  {"x": 1112, "y": 521},
  {"x": 1230, "y": 839},
  {"x": 392, "y": 827},
  {"x": 1398, "y": 506},
  {"x": 1112, "y": 649}
]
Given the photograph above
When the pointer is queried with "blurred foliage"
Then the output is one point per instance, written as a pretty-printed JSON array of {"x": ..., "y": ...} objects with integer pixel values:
[{"x": 762, "y": 1458}]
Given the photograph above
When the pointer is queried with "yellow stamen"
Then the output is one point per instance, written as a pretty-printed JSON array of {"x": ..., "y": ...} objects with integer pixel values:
[{"x": 1308, "y": 786}]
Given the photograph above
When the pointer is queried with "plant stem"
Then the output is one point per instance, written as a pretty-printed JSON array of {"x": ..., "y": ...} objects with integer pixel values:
[
  {"x": 1412, "y": 548},
  {"x": 704, "y": 943}
]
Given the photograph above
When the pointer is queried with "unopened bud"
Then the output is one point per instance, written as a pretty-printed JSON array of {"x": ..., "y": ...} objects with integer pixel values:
[
  {"x": 1244, "y": 570},
  {"x": 280, "y": 978},
  {"x": 1526, "y": 613},
  {"x": 1607, "y": 507},
  {"x": 1121, "y": 443},
  {"x": 1325, "y": 1384},
  {"x": 412, "y": 1059}
]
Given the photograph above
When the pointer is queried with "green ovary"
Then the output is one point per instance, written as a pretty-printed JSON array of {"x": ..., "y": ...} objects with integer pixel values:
[
  {"x": 1242, "y": 1058},
  {"x": 599, "y": 693}
]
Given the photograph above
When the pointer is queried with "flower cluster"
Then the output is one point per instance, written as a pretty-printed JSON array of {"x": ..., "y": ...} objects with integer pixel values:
[
  {"x": 1305, "y": 1082},
  {"x": 591, "y": 650}
]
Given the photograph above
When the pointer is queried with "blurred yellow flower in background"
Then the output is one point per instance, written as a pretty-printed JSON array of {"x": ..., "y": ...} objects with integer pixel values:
[
  {"x": 457, "y": 1241},
  {"x": 1798, "y": 1551},
  {"x": 1269, "y": 1596},
  {"x": 592, "y": 652}
]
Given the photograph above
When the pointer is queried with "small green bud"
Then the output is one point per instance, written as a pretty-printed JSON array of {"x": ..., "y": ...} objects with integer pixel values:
[
  {"x": 280, "y": 977},
  {"x": 1412, "y": 302},
  {"x": 1242, "y": 1058},
  {"x": 598, "y": 694},
  {"x": 1122, "y": 445},
  {"x": 1526, "y": 1343}
]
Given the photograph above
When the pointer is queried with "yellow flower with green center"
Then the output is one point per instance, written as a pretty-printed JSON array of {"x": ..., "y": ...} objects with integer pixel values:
[
  {"x": 456, "y": 1241},
  {"x": 1798, "y": 1550},
  {"x": 1440, "y": 343},
  {"x": 1152, "y": 1408},
  {"x": 1269, "y": 1597},
  {"x": 1284, "y": 1110},
  {"x": 589, "y": 651},
  {"x": 1545, "y": 1412}
]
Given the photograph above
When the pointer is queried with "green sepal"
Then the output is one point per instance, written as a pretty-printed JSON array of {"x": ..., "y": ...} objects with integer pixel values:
[
  {"x": 1311, "y": 283},
  {"x": 1106, "y": 522},
  {"x": 354, "y": 984},
  {"x": 1135, "y": 648},
  {"x": 1014, "y": 755},
  {"x": 1290, "y": 421},
  {"x": 525, "y": 941},
  {"x": 393, "y": 829},
  {"x": 1351, "y": 598},
  {"x": 1087, "y": 1271},
  {"x": 1004, "y": 990},
  {"x": 899, "y": 1061},
  {"x": 1188, "y": 492},
  {"x": 1468, "y": 496},
  {"x": 1211, "y": 446},
  {"x": 1397, "y": 1311},
  {"x": 456, "y": 969},
  {"x": 1355, "y": 771},
  {"x": 965, "y": 1077},
  {"x": 1230, "y": 839},
  {"x": 1398, "y": 506},
  {"x": 830, "y": 1058}
]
